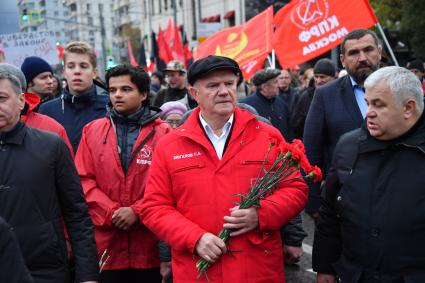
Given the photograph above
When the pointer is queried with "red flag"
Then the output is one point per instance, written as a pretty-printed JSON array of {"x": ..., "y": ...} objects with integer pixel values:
[
  {"x": 306, "y": 29},
  {"x": 248, "y": 44},
  {"x": 60, "y": 51},
  {"x": 169, "y": 32},
  {"x": 151, "y": 66},
  {"x": 164, "y": 51},
  {"x": 187, "y": 55},
  {"x": 177, "y": 48},
  {"x": 133, "y": 61}
]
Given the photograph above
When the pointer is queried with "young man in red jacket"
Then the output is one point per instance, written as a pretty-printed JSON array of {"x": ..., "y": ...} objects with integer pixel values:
[
  {"x": 113, "y": 161},
  {"x": 197, "y": 172}
]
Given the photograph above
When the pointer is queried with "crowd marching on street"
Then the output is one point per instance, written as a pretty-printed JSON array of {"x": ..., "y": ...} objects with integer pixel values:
[{"x": 151, "y": 176}]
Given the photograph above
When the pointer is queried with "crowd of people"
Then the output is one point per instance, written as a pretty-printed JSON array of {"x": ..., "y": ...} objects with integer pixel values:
[{"x": 131, "y": 180}]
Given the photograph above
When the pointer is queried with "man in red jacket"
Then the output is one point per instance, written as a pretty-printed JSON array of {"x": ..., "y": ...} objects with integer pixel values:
[
  {"x": 39, "y": 77},
  {"x": 197, "y": 172},
  {"x": 113, "y": 161}
]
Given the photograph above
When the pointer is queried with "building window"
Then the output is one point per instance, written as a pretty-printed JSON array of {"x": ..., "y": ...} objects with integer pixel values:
[
  {"x": 58, "y": 34},
  {"x": 90, "y": 20},
  {"x": 56, "y": 13},
  {"x": 88, "y": 8},
  {"x": 230, "y": 17}
]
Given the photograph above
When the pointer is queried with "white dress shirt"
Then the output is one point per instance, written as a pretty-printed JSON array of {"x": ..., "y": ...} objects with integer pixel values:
[{"x": 219, "y": 142}]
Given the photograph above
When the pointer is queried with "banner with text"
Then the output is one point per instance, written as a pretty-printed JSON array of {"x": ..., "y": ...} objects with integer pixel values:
[
  {"x": 248, "y": 44},
  {"x": 306, "y": 29},
  {"x": 18, "y": 46}
]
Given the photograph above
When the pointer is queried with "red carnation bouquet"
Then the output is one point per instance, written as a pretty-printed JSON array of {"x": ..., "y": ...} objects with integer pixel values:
[{"x": 290, "y": 158}]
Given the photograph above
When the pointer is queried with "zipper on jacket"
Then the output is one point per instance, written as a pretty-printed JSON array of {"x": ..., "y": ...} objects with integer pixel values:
[
  {"x": 248, "y": 162},
  {"x": 189, "y": 167}
]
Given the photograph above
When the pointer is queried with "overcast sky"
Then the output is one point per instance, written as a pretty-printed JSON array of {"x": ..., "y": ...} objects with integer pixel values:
[{"x": 9, "y": 16}]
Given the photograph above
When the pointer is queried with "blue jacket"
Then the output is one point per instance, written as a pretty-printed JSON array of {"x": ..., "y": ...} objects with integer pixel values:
[
  {"x": 74, "y": 112},
  {"x": 274, "y": 110}
]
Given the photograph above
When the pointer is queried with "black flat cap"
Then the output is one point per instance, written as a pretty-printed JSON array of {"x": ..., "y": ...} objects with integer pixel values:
[
  {"x": 265, "y": 75},
  {"x": 325, "y": 67},
  {"x": 204, "y": 66}
]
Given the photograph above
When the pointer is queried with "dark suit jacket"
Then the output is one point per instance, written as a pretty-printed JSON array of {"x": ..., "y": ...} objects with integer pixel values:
[{"x": 333, "y": 112}]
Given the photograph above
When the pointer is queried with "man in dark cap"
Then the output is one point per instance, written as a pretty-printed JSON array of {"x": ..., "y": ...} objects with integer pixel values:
[
  {"x": 197, "y": 172},
  {"x": 39, "y": 77},
  {"x": 339, "y": 106},
  {"x": 175, "y": 75},
  {"x": 267, "y": 102},
  {"x": 417, "y": 67},
  {"x": 324, "y": 72}
]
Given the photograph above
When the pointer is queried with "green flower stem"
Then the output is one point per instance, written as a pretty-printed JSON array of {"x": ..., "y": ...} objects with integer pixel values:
[{"x": 282, "y": 168}]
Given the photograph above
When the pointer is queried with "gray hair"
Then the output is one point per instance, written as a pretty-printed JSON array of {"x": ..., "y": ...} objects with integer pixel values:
[
  {"x": 14, "y": 81},
  {"x": 11, "y": 69},
  {"x": 402, "y": 83}
]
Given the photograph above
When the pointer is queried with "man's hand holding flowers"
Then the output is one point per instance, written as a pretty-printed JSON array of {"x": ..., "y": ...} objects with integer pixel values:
[
  {"x": 241, "y": 221},
  {"x": 210, "y": 247}
]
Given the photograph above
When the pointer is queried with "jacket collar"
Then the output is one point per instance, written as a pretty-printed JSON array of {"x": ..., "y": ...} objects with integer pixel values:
[
  {"x": 15, "y": 135},
  {"x": 31, "y": 101},
  {"x": 262, "y": 97},
  {"x": 192, "y": 128},
  {"x": 87, "y": 97},
  {"x": 143, "y": 116},
  {"x": 414, "y": 137}
]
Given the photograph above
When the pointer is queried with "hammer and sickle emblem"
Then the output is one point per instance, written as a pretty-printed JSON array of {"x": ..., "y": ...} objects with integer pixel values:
[
  {"x": 233, "y": 46},
  {"x": 309, "y": 11}
]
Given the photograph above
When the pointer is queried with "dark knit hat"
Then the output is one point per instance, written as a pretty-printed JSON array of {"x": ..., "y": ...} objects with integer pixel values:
[
  {"x": 13, "y": 70},
  {"x": 416, "y": 64},
  {"x": 265, "y": 75},
  {"x": 204, "y": 66},
  {"x": 33, "y": 66},
  {"x": 325, "y": 67}
]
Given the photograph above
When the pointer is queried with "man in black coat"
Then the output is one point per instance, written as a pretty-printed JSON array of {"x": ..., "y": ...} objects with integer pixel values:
[
  {"x": 339, "y": 107},
  {"x": 289, "y": 94},
  {"x": 324, "y": 71},
  {"x": 12, "y": 267},
  {"x": 371, "y": 227},
  {"x": 39, "y": 191},
  {"x": 268, "y": 103}
]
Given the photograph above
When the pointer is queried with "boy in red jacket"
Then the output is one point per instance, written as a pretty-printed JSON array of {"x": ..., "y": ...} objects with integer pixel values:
[{"x": 113, "y": 161}]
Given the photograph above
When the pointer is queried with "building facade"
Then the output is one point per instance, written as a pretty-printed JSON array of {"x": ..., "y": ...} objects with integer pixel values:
[
  {"x": 39, "y": 15},
  {"x": 92, "y": 21}
]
